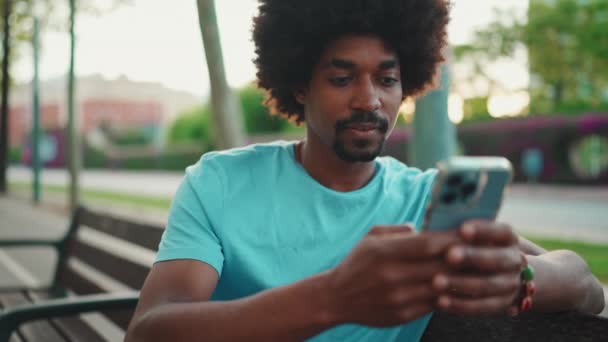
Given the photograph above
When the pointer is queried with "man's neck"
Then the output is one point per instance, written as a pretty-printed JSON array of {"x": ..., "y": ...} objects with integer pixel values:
[{"x": 325, "y": 167}]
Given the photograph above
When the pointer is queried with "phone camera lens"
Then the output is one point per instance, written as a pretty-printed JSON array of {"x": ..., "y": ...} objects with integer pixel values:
[
  {"x": 454, "y": 180},
  {"x": 468, "y": 189},
  {"x": 448, "y": 198}
]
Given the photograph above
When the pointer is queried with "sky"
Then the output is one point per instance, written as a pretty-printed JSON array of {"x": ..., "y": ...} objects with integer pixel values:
[{"x": 160, "y": 41}]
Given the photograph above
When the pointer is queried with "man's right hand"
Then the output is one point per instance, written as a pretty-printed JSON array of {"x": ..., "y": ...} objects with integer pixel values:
[{"x": 386, "y": 279}]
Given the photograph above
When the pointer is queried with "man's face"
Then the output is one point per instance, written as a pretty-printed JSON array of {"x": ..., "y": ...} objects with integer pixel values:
[{"x": 352, "y": 100}]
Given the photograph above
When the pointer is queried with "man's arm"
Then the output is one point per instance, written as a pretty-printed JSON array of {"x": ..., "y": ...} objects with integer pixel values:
[
  {"x": 384, "y": 281},
  {"x": 491, "y": 261},
  {"x": 563, "y": 280},
  {"x": 174, "y": 306}
]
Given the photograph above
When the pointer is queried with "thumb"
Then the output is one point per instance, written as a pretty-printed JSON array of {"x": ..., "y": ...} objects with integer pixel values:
[{"x": 383, "y": 230}]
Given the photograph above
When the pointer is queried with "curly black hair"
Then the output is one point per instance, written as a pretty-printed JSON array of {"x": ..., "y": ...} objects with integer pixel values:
[{"x": 290, "y": 37}]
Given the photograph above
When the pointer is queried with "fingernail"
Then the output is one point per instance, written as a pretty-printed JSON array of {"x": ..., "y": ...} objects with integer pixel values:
[
  {"x": 444, "y": 302},
  {"x": 409, "y": 227},
  {"x": 468, "y": 230},
  {"x": 440, "y": 282},
  {"x": 456, "y": 255}
]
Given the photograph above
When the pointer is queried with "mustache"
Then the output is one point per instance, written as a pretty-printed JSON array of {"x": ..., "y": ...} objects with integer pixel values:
[{"x": 379, "y": 121}]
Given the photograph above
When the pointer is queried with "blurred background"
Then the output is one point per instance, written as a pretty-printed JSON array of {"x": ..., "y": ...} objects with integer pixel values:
[{"x": 110, "y": 110}]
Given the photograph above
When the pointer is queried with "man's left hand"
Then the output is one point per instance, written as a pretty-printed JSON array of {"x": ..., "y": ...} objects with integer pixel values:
[{"x": 485, "y": 272}]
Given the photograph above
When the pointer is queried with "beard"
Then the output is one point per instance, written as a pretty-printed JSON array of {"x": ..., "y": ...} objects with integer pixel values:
[{"x": 360, "y": 149}]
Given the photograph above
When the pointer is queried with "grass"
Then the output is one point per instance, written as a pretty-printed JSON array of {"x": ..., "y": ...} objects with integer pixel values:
[
  {"x": 92, "y": 195},
  {"x": 596, "y": 255}
]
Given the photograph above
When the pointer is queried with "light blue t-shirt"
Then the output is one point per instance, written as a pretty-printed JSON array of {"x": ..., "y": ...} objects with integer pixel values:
[{"x": 261, "y": 221}]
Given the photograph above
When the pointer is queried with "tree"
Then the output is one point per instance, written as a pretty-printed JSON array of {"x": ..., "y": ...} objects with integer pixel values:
[
  {"x": 226, "y": 114},
  {"x": 6, "y": 13},
  {"x": 256, "y": 115},
  {"x": 567, "y": 46},
  {"x": 17, "y": 30},
  {"x": 194, "y": 125}
]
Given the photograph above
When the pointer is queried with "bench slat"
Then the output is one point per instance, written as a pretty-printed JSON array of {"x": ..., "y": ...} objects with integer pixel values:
[
  {"x": 139, "y": 233},
  {"x": 129, "y": 273},
  {"x": 15, "y": 338},
  {"x": 41, "y": 330},
  {"x": 82, "y": 286}
]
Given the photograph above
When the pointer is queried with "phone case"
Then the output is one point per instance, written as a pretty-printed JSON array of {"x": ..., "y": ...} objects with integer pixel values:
[{"x": 467, "y": 188}]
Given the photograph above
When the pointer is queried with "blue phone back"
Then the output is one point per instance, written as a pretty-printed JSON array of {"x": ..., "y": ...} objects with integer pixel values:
[{"x": 467, "y": 188}]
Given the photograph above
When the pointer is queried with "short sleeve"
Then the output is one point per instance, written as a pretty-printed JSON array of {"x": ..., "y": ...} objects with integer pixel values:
[{"x": 195, "y": 213}]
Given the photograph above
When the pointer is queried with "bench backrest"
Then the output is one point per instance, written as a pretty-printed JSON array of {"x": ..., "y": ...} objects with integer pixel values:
[{"x": 107, "y": 253}]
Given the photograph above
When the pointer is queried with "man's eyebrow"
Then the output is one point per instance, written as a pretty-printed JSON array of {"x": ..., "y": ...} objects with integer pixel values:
[
  {"x": 340, "y": 64},
  {"x": 388, "y": 64}
]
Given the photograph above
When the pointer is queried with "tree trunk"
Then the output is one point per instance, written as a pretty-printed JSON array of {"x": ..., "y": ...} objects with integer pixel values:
[
  {"x": 227, "y": 118},
  {"x": 6, "y": 14},
  {"x": 558, "y": 94},
  {"x": 434, "y": 135},
  {"x": 72, "y": 133}
]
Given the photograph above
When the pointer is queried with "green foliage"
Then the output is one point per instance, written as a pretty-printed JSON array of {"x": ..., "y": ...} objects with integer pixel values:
[
  {"x": 195, "y": 125},
  {"x": 14, "y": 155},
  {"x": 595, "y": 255},
  {"x": 190, "y": 126},
  {"x": 568, "y": 52},
  {"x": 476, "y": 109},
  {"x": 567, "y": 43},
  {"x": 256, "y": 115}
]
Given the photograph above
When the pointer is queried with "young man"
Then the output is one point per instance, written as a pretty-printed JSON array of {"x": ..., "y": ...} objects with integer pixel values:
[{"x": 313, "y": 239}]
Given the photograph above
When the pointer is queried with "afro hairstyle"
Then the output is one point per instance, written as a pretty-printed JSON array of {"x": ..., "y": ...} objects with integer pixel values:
[{"x": 290, "y": 36}]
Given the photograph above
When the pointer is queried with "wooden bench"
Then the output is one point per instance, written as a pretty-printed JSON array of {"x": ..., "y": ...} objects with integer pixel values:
[{"x": 102, "y": 265}]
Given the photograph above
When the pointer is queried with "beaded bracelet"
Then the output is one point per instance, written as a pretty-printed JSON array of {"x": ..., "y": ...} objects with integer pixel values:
[{"x": 523, "y": 301}]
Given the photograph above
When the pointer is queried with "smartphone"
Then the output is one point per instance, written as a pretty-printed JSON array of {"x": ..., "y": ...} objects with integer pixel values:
[{"x": 467, "y": 188}]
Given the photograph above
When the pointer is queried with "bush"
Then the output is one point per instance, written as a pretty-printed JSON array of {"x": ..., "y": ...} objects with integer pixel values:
[
  {"x": 256, "y": 116},
  {"x": 14, "y": 155},
  {"x": 191, "y": 126},
  {"x": 195, "y": 125},
  {"x": 554, "y": 136}
]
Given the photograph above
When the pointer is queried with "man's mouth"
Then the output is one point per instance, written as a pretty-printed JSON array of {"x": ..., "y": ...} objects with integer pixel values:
[{"x": 363, "y": 127}]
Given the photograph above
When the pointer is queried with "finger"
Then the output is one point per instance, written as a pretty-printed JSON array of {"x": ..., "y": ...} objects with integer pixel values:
[
  {"x": 477, "y": 286},
  {"x": 420, "y": 246},
  {"x": 400, "y": 273},
  {"x": 485, "y": 305},
  {"x": 420, "y": 292},
  {"x": 485, "y": 259},
  {"x": 488, "y": 233},
  {"x": 415, "y": 311},
  {"x": 383, "y": 230}
]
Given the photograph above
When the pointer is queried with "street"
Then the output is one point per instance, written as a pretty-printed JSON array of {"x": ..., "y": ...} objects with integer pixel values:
[{"x": 567, "y": 212}]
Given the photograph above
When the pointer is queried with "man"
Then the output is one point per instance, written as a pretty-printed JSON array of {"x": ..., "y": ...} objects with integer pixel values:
[{"x": 314, "y": 239}]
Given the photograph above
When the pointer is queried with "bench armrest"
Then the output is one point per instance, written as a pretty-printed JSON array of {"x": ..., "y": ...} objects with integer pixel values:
[{"x": 10, "y": 319}]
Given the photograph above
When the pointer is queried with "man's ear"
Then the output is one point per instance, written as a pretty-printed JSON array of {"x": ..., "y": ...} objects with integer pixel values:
[{"x": 300, "y": 95}]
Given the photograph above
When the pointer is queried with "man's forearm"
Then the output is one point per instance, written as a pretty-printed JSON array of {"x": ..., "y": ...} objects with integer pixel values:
[
  {"x": 564, "y": 282},
  {"x": 292, "y": 312}
]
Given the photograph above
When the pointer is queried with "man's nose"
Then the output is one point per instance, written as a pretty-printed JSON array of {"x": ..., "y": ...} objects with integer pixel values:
[{"x": 365, "y": 96}]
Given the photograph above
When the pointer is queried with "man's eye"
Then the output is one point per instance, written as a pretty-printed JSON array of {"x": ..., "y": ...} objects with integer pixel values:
[
  {"x": 340, "y": 81},
  {"x": 388, "y": 81}
]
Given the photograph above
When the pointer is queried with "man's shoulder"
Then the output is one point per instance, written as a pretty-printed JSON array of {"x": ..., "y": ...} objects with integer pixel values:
[
  {"x": 398, "y": 171},
  {"x": 245, "y": 158}
]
